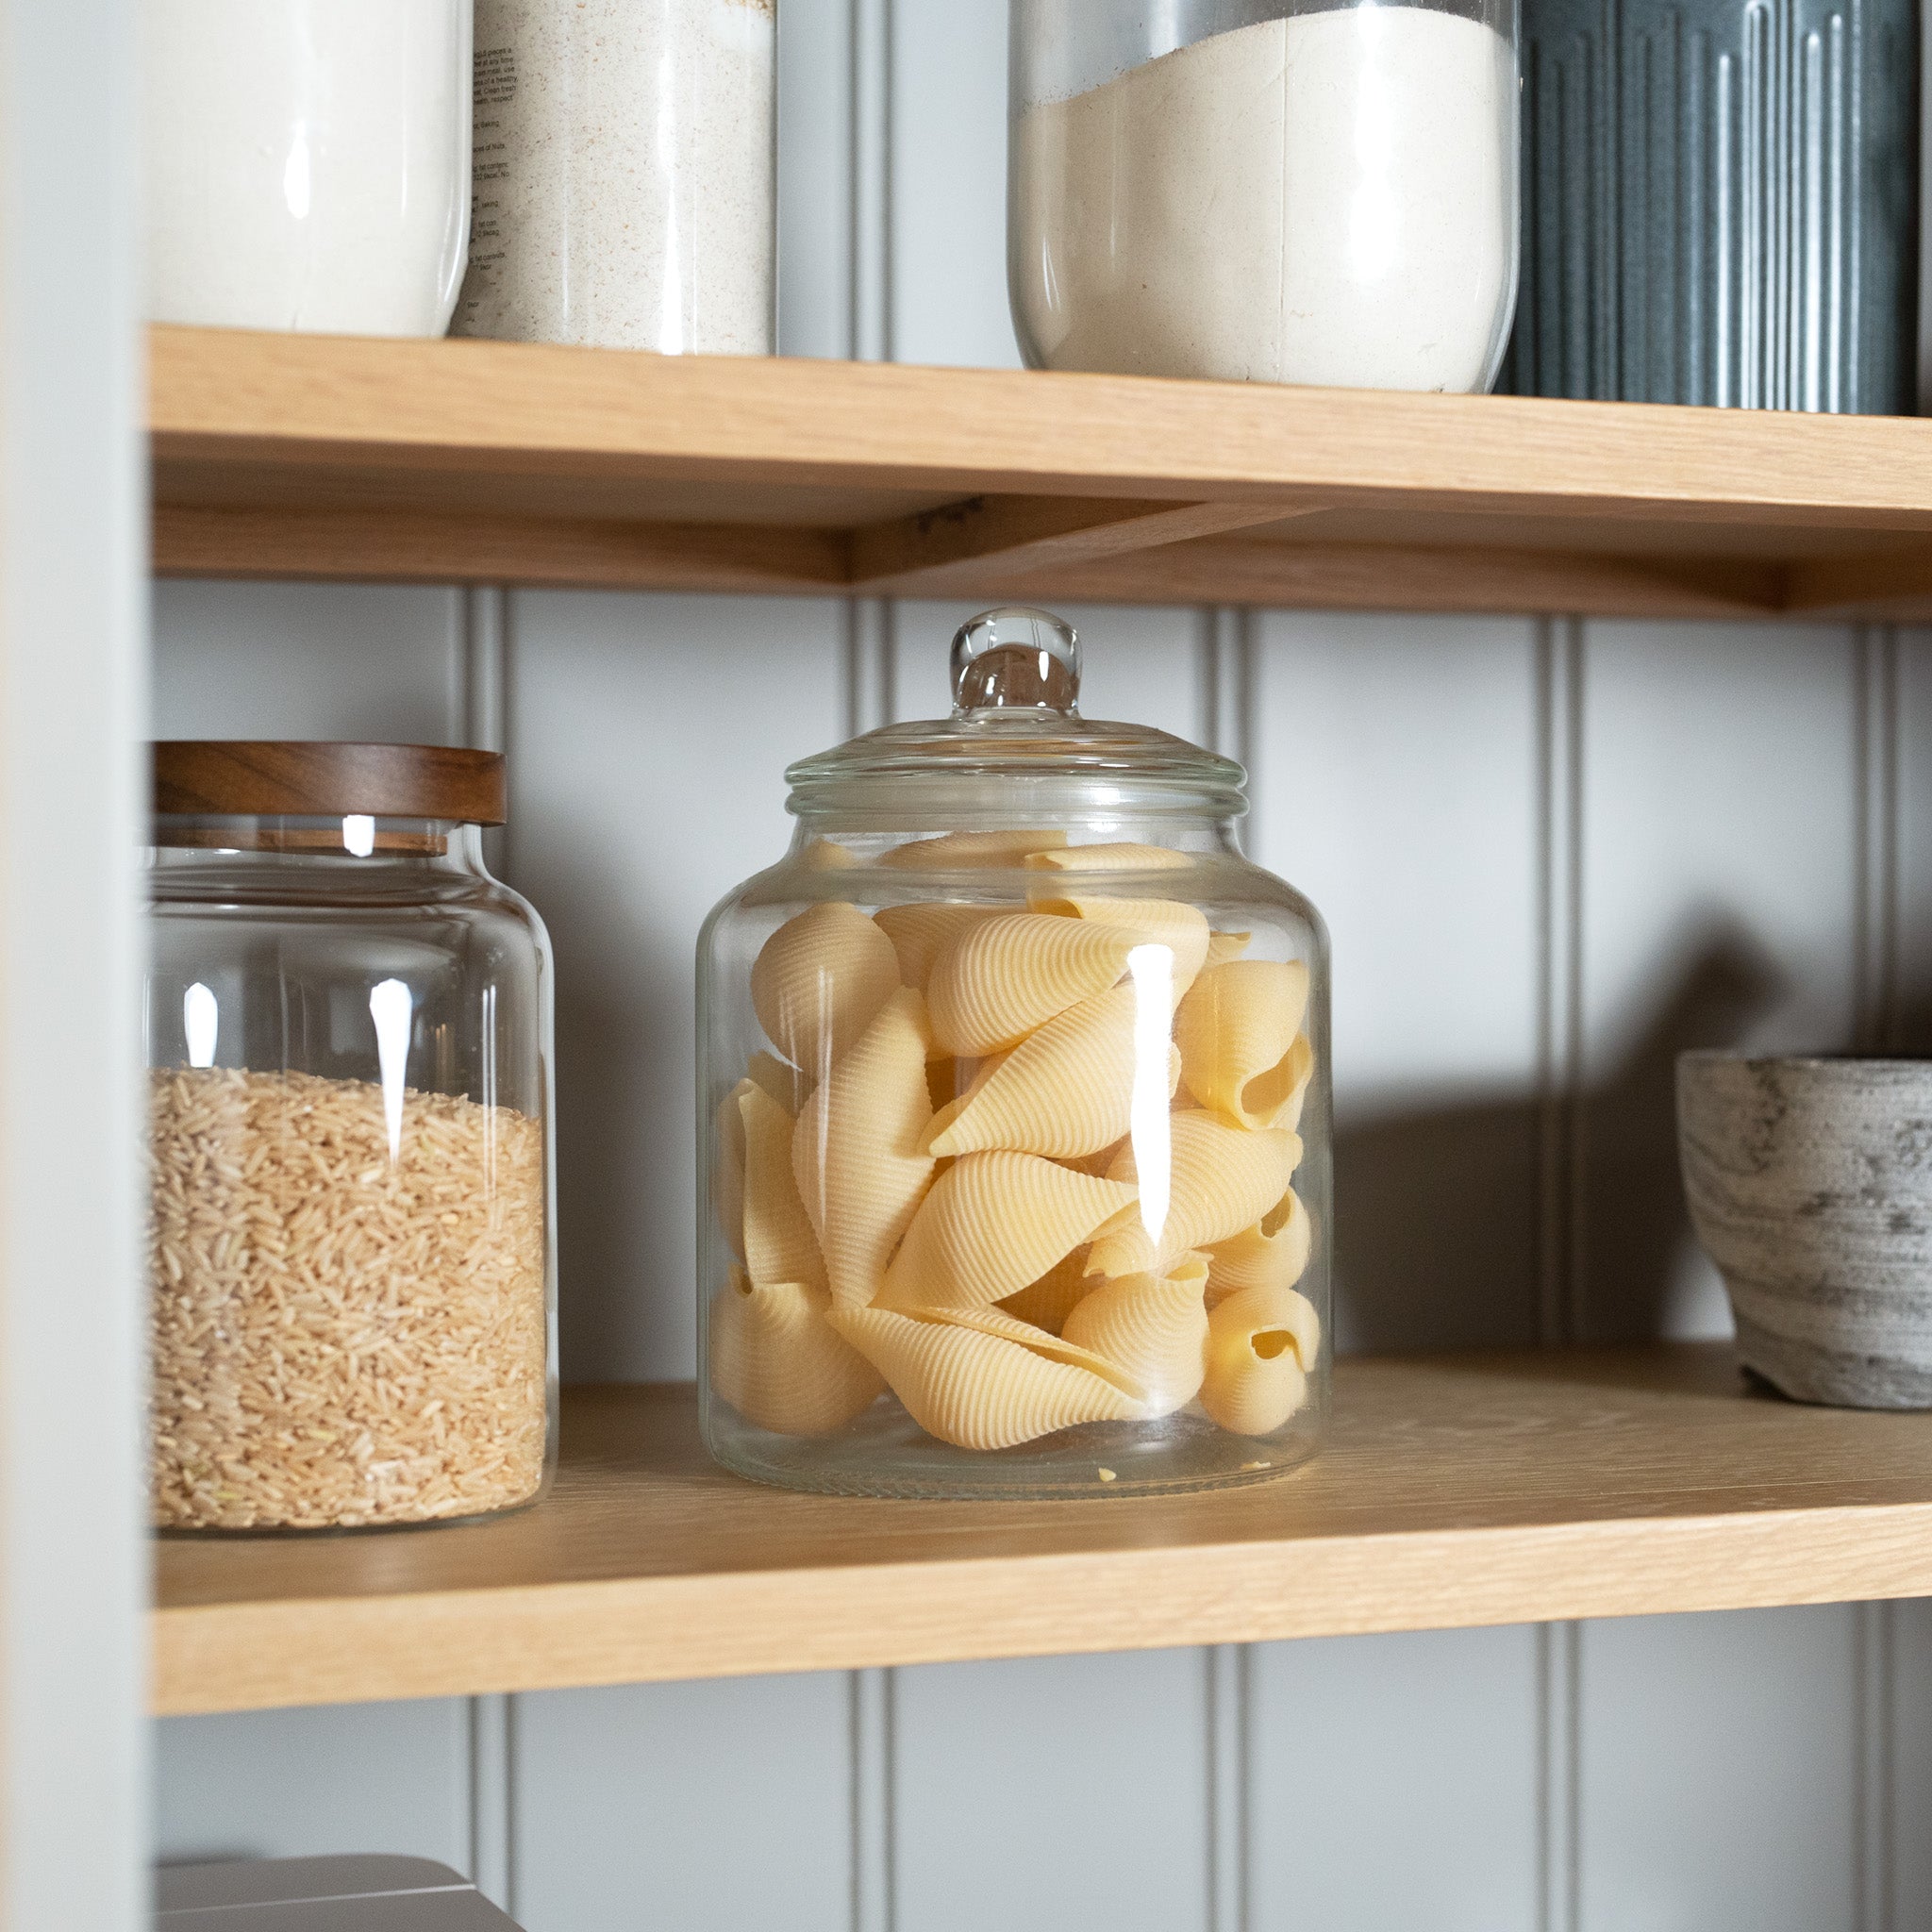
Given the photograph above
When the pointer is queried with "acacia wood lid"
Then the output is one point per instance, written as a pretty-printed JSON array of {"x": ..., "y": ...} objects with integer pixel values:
[{"x": 256, "y": 779}]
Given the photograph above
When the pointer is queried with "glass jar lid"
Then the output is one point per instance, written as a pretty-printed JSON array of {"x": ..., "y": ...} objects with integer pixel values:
[{"x": 1016, "y": 748}]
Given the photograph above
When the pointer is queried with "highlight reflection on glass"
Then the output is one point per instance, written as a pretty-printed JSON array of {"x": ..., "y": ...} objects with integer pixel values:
[
  {"x": 359, "y": 835},
  {"x": 201, "y": 1021},
  {"x": 389, "y": 1006},
  {"x": 1152, "y": 970}
]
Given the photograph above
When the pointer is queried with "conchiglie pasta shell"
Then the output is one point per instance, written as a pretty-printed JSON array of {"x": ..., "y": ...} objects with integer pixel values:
[
  {"x": 1154, "y": 1328},
  {"x": 964, "y": 851},
  {"x": 1046, "y": 1304},
  {"x": 1237, "y": 1031},
  {"x": 1261, "y": 1343},
  {"x": 1223, "y": 946},
  {"x": 1272, "y": 1254},
  {"x": 778, "y": 1361},
  {"x": 994, "y": 984},
  {"x": 1116, "y": 858},
  {"x": 727, "y": 1169},
  {"x": 992, "y": 1224},
  {"x": 981, "y": 1389},
  {"x": 1301, "y": 1070},
  {"x": 819, "y": 982},
  {"x": 1221, "y": 1179},
  {"x": 827, "y": 855},
  {"x": 856, "y": 1151},
  {"x": 946, "y": 1113},
  {"x": 785, "y": 1084},
  {"x": 779, "y": 1244},
  {"x": 1180, "y": 928},
  {"x": 1102, "y": 1161},
  {"x": 1066, "y": 1090},
  {"x": 920, "y": 933}
]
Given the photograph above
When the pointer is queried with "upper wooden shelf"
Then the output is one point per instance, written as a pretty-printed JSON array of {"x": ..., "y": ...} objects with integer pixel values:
[
  {"x": 285, "y": 456},
  {"x": 1457, "y": 1491}
]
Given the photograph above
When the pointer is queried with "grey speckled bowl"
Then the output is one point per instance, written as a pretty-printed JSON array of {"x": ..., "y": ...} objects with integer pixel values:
[{"x": 1810, "y": 1184}]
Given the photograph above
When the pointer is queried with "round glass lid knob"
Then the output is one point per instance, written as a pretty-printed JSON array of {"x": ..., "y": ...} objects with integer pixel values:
[{"x": 1014, "y": 659}]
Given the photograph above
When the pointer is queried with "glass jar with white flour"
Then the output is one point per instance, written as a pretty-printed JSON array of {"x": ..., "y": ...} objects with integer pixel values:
[
  {"x": 1265, "y": 191},
  {"x": 307, "y": 163},
  {"x": 625, "y": 174}
]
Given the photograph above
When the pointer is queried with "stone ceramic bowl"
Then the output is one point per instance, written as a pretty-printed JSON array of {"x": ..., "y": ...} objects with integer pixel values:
[{"x": 1810, "y": 1185}]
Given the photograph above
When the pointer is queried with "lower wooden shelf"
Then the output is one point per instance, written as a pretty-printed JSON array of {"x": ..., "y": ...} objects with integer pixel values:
[{"x": 1457, "y": 1490}]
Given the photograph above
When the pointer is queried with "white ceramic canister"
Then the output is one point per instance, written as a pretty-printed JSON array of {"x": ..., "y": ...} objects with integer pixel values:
[
  {"x": 307, "y": 163},
  {"x": 626, "y": 174}
]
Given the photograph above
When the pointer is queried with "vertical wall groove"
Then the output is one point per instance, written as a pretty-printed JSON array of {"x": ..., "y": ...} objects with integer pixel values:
[
  {"x": 1877, "y": 942},
  {"x": 1224, "y": 702},
  {"x": 1875, "y": 939},
  {"x": 875, "y": 1906},
  {"x": 479, "y": 698},
  {"x": 1873, "y": 1849},
  {"x": 1559, "y": 992},
  {"x": 1227, "y": 1667},
  {"x": 489, "y": 1781},
  {"x": 871, "y": 681},
  {"x": 872, "y": 181},
  {"x": 1560, "y": 1090}
]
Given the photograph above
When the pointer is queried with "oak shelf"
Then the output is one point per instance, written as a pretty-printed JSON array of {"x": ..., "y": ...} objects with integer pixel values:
[
  {"x": 303, "y": 457},
  {"x": 1457, "y": 1491}
]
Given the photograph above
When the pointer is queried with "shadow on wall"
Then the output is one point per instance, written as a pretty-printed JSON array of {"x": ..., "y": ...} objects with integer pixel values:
[{"x": 1439, "y": 1213}]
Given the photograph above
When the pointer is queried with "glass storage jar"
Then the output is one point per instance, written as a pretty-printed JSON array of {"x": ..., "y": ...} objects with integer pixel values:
[
  {"x": 1265, "y": 191},
  {"x": 625, "y": 175},
  {"x": 352, "y": 1238},
  {"x": 307, "y": 163},
  {"x": 1014, "y": 1114}
]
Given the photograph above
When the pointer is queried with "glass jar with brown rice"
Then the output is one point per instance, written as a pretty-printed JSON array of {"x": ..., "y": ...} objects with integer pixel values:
[{"x": 352, "y": 1242}]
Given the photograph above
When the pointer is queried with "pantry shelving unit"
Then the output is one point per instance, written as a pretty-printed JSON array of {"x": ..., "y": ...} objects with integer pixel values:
[
  {"x": 285, "y": 456},
  {"x": 1457, "y": 1490}
]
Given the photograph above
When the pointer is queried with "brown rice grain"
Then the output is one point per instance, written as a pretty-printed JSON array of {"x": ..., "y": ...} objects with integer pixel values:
[{"x": 310, "y": 1296}]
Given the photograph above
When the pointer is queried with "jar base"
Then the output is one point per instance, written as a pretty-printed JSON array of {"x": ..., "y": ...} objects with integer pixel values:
[
  {"x": 885, "y": 1454},
  {"x": 219, "y": 1532}
]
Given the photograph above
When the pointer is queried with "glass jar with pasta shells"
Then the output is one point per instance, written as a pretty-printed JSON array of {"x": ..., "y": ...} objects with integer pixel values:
[
  {"x": 352, "y": 1257},
  {"x": 1013, "y": 1078}
]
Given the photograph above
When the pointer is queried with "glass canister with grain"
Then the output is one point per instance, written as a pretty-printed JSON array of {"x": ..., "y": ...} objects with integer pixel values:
[
  {"x": 352, "y": 1243},
  {"x": 1014, "y": 1114}
]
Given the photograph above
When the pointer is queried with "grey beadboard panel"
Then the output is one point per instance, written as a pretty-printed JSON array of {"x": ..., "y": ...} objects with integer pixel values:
[
  {"x": 1719, "y": 904},
  {"x": 814, "y": 178},
  {"x": 703, "y": 1807},
  {"x": 292, "y": 1784},
  {"x": 1912, "y": 861},
  {"x": 1051, "y": 1794},
  {"x": 1393, "y": 1783},
  {"x": 948, "y": 185},
  {"x": 650, "y": 736},
  {"x": 1718, "y": 1773},
  {"x": 1908, "y": 1800},
  {"x": 1396, "y": 784},
  {"x": 306, "y": 661},
  {"x": 1136, "y": 665}
]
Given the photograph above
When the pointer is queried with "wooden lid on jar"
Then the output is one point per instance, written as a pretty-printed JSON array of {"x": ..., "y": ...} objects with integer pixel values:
[{"x": 256, "y": 779}]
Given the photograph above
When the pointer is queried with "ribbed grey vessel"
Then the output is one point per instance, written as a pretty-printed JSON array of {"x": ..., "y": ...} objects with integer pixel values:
[{"x": 1720, "y": 203}]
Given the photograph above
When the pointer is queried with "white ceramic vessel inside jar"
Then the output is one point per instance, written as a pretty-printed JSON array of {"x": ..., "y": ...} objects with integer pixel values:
[
  {"x": 307, "y": 163},
  {"x": 1265, "y": 191},
  {"x": 1015, "y": 1119}
]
